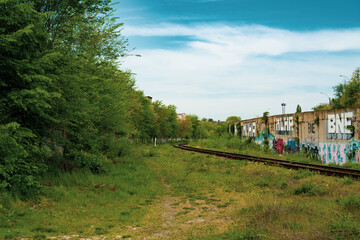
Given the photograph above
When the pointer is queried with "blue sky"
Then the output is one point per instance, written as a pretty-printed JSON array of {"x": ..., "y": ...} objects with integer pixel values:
[{"x": 218, "y": 58}]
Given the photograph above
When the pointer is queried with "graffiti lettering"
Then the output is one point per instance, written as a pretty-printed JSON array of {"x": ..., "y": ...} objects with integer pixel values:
[
  {"x": 278, "y": 145},
  {"x": 284, "y": 125},
  {"x": 261, "y": 138},
  {"x": 332, "y": 153},
  {"x": 353, "y": 151},
  {"x": 336, "y": 126},
  {"x": 311, "y": 127},
  {"x": 249, "y": 129},
  {"x": 310, "y": 147}
]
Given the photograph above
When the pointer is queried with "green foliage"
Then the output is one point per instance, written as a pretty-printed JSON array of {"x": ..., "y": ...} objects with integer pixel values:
[
  {"x": 307, "y": 189},
  {"x": 95, "y": 162},
  {"x": 347, "y": 94},
  {"x": 346, "y": 227},
  {"x": 298, "y": 109},
  {"x": 21, "y": 160},
  {"x": 351, "y": 202}
]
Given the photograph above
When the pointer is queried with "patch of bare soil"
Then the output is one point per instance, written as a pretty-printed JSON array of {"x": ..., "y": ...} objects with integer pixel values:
[{"x": 174, "y": 217}]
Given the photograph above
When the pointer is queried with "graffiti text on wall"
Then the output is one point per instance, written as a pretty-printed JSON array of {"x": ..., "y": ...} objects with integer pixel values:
[
  {"x": 284, "y": 125},
  {"x": 311, "y": 127},
  {"x": 333, "y": 153},
  {"x": 249, "y": 129},
  {"x": 336, "y": 126}
]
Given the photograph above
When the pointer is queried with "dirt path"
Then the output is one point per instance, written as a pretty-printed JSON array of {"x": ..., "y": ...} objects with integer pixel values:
[{"x": 174, "y": 217}]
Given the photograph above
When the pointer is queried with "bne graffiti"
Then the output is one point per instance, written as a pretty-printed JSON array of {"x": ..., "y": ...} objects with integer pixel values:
[
  {"x": 336, "y": 126},
  {"x": 249, "y": 129},
  {"x": 284, "y": 125}
]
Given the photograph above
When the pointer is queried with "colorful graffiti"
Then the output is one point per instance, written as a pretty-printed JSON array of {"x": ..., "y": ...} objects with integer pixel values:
[
  {"x": 353, "y": 151},
  {"x": 336, "y": 126},
  {"x": 284, "y": 125},
  {"x": 310, "y": 147},
  {"x": 332, "y": 153},
  {"x": 261, "y": 138},
  {"x": 278, "y": 146},
  {"x": 292, "y": 146}
]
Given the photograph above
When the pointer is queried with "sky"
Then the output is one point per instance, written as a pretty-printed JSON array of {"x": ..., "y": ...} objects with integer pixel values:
[{"x": 221, "y": 58}]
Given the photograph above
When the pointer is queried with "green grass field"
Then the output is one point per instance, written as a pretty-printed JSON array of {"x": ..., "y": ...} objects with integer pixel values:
[{"x": 166, "y": 193}]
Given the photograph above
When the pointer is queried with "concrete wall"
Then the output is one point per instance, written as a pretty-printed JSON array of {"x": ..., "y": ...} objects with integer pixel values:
[{"x": 323, "y": 133}]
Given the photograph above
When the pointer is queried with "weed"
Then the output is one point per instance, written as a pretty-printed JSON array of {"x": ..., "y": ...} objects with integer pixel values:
[
  {"x": 351, "y": 202},
  {"x": 346, "y": 227},
  {"x": 44, "y": 230},
  {"x": 303, "y": 173},
  {"x": 188, "y": 208},
  {"x": 347, "y": 180},
  {"x": 100, "y": 231},
  {"x": 182, "y": 213},
  {"x": 307, "y": 189},
  {"x": 224, "y": 205},
  {"x": 39, "y": 237}
]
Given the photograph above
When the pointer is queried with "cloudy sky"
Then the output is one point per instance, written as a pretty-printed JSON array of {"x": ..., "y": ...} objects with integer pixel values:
[{"x": 220, "y": 58}]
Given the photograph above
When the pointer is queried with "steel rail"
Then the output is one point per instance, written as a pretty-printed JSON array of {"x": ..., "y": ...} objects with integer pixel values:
[{"x": 322, "y": 169}]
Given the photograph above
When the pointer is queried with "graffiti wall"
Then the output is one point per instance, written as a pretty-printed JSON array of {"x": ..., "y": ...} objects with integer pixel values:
[{"x": 331, "y": 136}]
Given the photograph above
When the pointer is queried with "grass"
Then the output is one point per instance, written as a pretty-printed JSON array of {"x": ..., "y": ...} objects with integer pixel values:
[
  {"x": 166, "y": 193},
  {"x": 238, "y": 145}
]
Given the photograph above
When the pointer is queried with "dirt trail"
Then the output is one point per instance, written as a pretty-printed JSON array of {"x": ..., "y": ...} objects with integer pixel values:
[{"x": 174, "y": 217}]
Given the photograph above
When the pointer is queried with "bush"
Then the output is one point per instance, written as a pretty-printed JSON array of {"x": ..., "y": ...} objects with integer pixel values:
[
  {"x": 119, "y": 147},
  {"x": 95, "y": 162},
  {"x": 307, "y": 189},
  {"x": 21, "y": 160}
]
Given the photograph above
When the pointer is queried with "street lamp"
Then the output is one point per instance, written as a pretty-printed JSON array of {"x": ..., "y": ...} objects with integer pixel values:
[
  {"x": 344, "y": 77},
  {"x": 327, "y": 96}
]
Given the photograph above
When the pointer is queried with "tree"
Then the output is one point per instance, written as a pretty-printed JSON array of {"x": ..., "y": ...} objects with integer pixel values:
[
  {"x": 25, "y": 95},
  {"x": 348, "y": 93},
  {"x": 298, "y": 109},
  {"x": 231, "y": 122}
]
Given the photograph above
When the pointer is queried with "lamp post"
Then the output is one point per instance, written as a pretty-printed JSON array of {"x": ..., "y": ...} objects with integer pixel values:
[
  {"x": 327, "y": 96},
  {"x": 344, "y": 77}
]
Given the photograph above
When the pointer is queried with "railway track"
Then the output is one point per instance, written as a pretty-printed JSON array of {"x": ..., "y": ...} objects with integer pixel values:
[{"x": 321, "y": 169}]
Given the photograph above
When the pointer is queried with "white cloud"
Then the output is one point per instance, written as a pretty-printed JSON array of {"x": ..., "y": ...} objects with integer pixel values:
[{"x": 229, "y": 70}]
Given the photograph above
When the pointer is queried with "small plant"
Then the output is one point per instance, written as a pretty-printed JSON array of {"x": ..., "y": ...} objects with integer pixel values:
[
  {"x": 307, "y": 189},
  {"x": 100, "y": 231},
  {"x": 351, "y": 202},
  {"x": 95, "y": 162},
  {"x": 346, "y": 227},
  {"x": 347, "y": 180},
  {"x": 317, "y": 120},
  {"x": 303, "y": 173}
]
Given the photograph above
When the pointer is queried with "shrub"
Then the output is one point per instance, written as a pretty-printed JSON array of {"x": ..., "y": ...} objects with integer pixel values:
[
  {"x": 95, "y": 162},
  {"x": 21, "y": 160},
  {"x": 307, "y": 189}
]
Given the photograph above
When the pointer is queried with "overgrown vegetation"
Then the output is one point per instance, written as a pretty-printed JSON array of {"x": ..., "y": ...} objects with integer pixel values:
[{"x": 165, "y": 193}]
